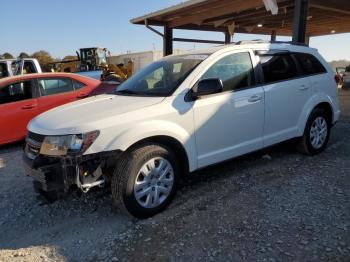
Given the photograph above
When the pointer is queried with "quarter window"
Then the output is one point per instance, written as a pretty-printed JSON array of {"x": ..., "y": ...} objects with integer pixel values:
[
  {"x": 309, "y": 64},
  {"x": 278, "y": 67},
  {"x": 55, "y": 86},
  {"x": 235, "y": 71},
  {"x": 77, "y": 84},
  {"x": 16, "y": 92}
]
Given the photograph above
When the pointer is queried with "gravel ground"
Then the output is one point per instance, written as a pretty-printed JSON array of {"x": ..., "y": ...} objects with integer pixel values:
[{"x": 273, "y": 205}]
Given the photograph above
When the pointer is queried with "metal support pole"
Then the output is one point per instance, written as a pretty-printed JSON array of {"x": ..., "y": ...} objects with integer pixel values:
[
  {"x": 227, "y": 38},
  {"x": 307, "y": 40},
  {"x": 167, "y": 41},
  {"x": 300, "y": 20},
  {"x": 273, "y": 36}
]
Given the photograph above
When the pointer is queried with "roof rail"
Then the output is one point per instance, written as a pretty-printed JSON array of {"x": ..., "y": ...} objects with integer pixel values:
[{"x": 260, "y": 41}]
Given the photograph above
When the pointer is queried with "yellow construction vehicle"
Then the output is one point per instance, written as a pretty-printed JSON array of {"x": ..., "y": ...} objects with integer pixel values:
[
  {"x": 91, "y": 61},
  {"x": 118, "y": 72}
]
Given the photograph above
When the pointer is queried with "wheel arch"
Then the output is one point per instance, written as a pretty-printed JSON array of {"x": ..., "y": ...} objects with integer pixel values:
[
  {"x": 169, "y": 142},
  {"x": 323, "y": 102}
]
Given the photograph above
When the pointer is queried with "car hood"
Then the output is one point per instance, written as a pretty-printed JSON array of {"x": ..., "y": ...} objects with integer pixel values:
[{"x": 86, "y": 115}]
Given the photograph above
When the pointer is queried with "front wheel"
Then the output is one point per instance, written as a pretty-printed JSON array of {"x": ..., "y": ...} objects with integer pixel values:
[
  {"x": 145, "y": 180},
  {"x": 316, "y": 134}
]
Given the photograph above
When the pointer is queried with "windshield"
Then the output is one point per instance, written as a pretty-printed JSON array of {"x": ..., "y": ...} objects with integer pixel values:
[
  {"x": 347, "y": 69},
  {"x": 101, "y": 54},
  {"x": 161, "y": 78}
]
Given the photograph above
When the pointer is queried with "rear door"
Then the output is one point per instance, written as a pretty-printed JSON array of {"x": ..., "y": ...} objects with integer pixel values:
[
  {"x": 18, "y": 105},
  {"x": 286, "y": 93}
]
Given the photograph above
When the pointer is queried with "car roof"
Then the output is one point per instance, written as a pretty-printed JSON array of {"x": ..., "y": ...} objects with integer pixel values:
[{"x": 11, "y": 79}]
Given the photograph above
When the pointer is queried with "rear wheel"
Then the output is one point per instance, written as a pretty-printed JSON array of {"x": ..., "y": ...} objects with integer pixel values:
[
  {"x": 316, "y": 134},
  {"x": 145, "y": 180}
]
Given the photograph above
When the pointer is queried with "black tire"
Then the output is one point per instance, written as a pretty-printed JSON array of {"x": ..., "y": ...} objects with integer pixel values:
[
  {"x": 305, "y": 145},
  {"x": 126, "y": 172}
]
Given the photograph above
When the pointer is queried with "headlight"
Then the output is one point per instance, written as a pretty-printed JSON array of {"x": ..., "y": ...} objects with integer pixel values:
[{"x": 68, "y": 144}]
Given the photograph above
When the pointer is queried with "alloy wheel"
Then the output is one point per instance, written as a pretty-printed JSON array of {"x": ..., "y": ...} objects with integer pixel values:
[
  {"x": 154, "y": 182},
  {"x": 318, "y": 132}
]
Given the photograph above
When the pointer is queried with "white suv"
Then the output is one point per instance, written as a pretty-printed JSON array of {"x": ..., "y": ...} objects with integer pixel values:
[{"x": 180, "y": 114}]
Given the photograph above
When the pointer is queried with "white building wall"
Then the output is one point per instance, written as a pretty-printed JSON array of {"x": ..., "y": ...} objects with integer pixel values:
[{"x": 141, "y": 59}]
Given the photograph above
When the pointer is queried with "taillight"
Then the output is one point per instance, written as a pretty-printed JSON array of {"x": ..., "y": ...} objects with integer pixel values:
[{"x": 337, "y": 79}]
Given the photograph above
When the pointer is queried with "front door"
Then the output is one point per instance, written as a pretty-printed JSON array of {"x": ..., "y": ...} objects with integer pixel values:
[
  {"x": 230, "y": 123},
  {"x": 18, "y": 106}
]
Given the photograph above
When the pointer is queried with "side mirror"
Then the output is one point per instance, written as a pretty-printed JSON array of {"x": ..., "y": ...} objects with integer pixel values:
[{"x": 207, "y": 86}]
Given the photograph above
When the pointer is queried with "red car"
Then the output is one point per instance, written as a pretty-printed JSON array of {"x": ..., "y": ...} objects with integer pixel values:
[{"x": 24, "y": 97}]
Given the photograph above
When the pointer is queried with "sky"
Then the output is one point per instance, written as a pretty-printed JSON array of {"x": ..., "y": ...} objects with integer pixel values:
[{"x": 62, "y": 27}]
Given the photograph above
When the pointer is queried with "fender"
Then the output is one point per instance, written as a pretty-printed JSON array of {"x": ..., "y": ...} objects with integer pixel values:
[
  {"x": 164, "y": 128},
  {"x": 309, "y": 106}
]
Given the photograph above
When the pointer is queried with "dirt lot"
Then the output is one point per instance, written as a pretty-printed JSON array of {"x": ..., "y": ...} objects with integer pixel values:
[{"x": 275, "y": 205}]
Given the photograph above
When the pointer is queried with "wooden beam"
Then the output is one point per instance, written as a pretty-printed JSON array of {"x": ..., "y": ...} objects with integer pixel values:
[
  {"x": 337, "y": 6},
  {"x": 239, "y": 5}
]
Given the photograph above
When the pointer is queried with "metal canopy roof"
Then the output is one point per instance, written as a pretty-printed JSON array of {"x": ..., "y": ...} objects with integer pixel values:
[{"x": 324, "y": 17}]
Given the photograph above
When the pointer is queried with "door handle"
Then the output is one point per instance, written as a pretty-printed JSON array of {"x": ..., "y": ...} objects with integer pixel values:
[
  {"x": 254, "y": 99},
  {"x": 303, "y": 87},
  {"x": 29, "y": 106}
]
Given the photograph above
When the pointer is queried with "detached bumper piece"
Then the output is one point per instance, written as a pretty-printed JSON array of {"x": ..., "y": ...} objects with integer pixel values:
[{"x": 61, "y": 173}]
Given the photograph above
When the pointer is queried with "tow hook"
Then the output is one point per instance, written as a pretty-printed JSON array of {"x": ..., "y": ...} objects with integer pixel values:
[{"x": 85, "y": 187}]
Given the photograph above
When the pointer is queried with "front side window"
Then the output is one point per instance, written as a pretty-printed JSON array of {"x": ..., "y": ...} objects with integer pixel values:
[
  {"x": 235, "y": 71},
  {"x": 309, "y": 64},
  {"x": 278, "y": 67},
  {"x": 16, "y": 92},
  {"x": 161, "y": 78},
  {"x": 55, "y": 86}
]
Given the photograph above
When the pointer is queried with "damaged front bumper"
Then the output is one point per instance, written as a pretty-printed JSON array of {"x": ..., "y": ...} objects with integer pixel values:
[{"x": 60, "y": 173}]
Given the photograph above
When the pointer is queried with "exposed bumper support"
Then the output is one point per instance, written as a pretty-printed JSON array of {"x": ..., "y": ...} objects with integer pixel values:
[{"x": 60, "y": 173}]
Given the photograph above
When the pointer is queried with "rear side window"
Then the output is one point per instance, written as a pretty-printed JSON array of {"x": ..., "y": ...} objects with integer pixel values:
[
  {"x": 310, "y": 64},
  {"x": 28, "y": 67},
  {"x": 278, "y": 67},
  {"x": 55, "y": 86},
  {"x": 16, "y": 92}
]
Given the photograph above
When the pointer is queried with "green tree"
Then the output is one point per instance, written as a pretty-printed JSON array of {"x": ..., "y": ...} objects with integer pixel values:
[
  {"x": 7, "y": 56},
  {"x": 44, "y": 59},
  {"x": 23, "y": 55}
]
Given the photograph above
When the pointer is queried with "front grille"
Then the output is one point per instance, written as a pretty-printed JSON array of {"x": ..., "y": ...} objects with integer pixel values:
[
  {"x": 36, "y": 137},
  {"x": 34, "y": 142}
]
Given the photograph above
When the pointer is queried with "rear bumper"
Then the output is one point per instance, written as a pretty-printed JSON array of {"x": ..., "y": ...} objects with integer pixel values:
[{"x": 60, "y": 173}]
